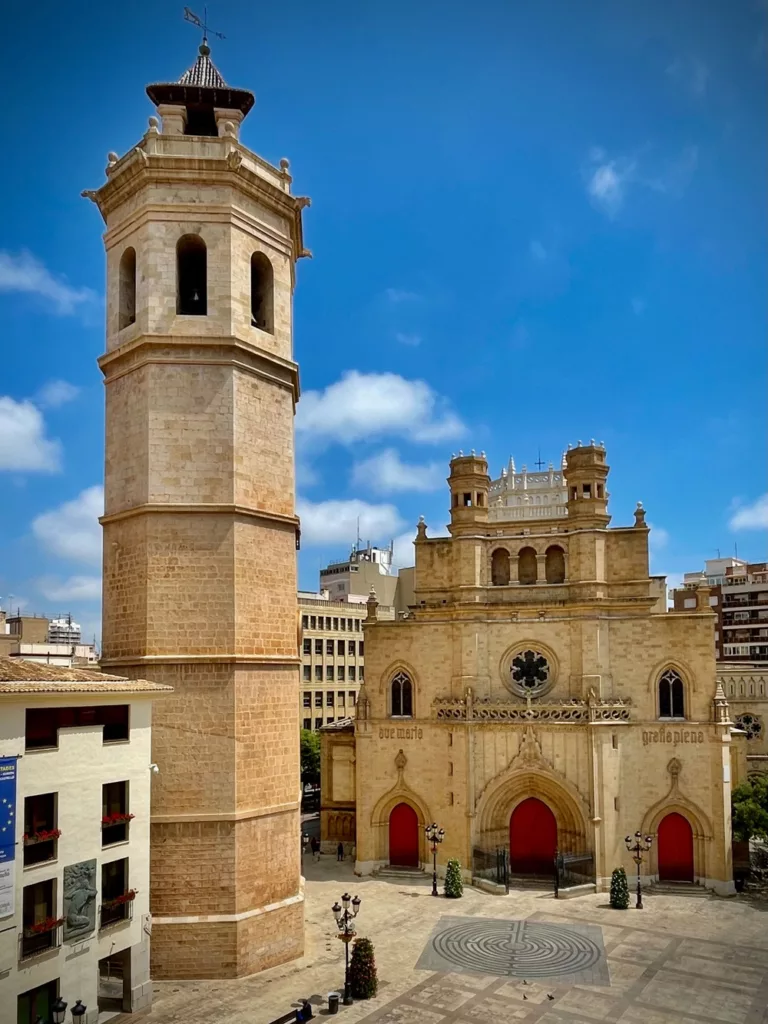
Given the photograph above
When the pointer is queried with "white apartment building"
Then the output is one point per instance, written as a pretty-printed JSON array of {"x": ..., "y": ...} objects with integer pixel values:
[{"x": 75, "y": 779}]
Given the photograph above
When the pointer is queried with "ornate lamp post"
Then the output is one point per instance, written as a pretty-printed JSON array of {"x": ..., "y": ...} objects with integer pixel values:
[
  {"x": 78, "y": 1012},
  {"x": 637, "y": 849},
  {"x": 344, "y": 921},
  {"x": 434, "y": 835},
  {"x": 59, "y": 1011}
]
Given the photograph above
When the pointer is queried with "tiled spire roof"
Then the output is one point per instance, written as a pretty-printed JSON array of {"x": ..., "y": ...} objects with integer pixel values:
[{"x": 203, "y": 72}]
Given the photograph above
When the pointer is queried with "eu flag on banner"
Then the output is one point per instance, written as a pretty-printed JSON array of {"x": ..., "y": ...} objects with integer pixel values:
[{"x": 7, "y": 809}]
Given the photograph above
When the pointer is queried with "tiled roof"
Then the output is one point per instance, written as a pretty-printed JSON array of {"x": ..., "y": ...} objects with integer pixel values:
[
  {"x": 19, "y": 676},
  {"x": 203, "y": 72}
]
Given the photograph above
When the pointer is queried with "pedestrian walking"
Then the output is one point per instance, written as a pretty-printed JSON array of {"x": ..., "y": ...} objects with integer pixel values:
[
  {"x": 316, "y": 847},
  {"x": 340, "y": 851}
]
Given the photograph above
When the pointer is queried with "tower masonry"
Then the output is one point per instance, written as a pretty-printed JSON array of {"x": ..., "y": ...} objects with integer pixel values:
[{"x": 200, "y": 532}]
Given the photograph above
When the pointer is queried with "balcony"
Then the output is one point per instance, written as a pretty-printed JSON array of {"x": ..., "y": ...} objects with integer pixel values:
[
  {"x": 40, "y": 846},
  {"x": 40, "y": 928},
  {"x": 38, "y": 938},
  {"x": 117, "y": 910},
  {"x": 568, "y": 711}
]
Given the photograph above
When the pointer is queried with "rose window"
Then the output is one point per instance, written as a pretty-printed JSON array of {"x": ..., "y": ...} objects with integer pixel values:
[
  {"x": 751, "y": 724},
  {"x": 529, "y": 673}
]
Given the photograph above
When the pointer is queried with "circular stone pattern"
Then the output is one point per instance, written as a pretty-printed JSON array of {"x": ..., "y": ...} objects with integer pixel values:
[
  {"x": 516, "y": 949},
  {"x": 529, "y": 673}
]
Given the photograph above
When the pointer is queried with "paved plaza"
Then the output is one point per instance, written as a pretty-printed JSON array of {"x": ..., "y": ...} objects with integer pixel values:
[{"x": 683, "y": 959}]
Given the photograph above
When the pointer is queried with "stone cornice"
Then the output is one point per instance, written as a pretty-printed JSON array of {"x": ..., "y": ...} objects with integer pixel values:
[
  {"x": 231, "y": 351},
  {"x": 197, "y": 508},
  {"x": 203, "y": 659}
]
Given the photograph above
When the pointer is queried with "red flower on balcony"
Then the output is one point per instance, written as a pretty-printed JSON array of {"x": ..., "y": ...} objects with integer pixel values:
[
  {"x": 30, "y": 838},
  {"x": 118, "y": 818},
  {"x": 125, "y": 897},
  {"x": 47, "y": 925}
]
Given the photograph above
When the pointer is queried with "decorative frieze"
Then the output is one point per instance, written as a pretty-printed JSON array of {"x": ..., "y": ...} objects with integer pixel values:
[{"x": 494, "y": 710}]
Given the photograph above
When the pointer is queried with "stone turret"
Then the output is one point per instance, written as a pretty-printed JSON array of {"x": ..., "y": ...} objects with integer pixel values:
[
  {"x": 586, "y": 475},
  {"x": 469, "y": 483}
]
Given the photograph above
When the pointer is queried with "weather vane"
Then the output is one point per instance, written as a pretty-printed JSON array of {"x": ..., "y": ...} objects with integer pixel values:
[{"x": 201, "y": 23}]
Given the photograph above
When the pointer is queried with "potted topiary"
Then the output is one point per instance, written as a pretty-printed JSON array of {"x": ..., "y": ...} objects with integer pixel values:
[
  {"x": 619, "y": 889},
  {"x": 454, "y": 887},
  {"x": 362, "y": 970}
]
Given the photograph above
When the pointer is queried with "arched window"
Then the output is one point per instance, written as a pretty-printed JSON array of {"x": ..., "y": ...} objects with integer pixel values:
[
  {"x": 402, "y": 696},
  {"x": 262, "y": 293},
  {"x": 527, "y": 567},
  {"x": 671, "y": 703},
  {"x": 555, "y": 565},
  {"x": 191, "y": 276},
  {"x": 127, "y": 281},
  {"x": 500, "y": 568}
]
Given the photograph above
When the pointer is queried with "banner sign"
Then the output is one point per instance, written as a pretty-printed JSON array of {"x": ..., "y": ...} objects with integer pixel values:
[{"x": 7, "y": 834}]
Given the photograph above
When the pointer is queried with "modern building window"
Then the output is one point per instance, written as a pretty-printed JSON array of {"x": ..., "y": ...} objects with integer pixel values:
[
  {"x": 340, "y": 697},
  {"x": 318, "y": 698},
  {"x": 554, "y": 565},
  {"x": 327, "y": 622},
  {"x": 262, "y": 293},
  {"x": 340, "y": 648},
  {"x": 343, "y": 624},
  {"x": 116, "y": 897},
  {"x": 402, "y": 696},
  {"x": 329, "y": 699},
  {"x": 307, "y": 671},
  {"x": 307, "y": 698},
  {"x": 191, "y": 276},
  {"x": 127, "y": 282},
  {"x": 671, "y": 695},
  {"x": 318, "y": 673},
  {"x": 349, "y": 625},
  {"x": 352, "y": 698},
  {"x": 361, "y": 672},
  {"x": 329, "y": 647},
  {"x": 527, "y": 566},
  {"x": 307, "y": 723},
  {"x": 357, "y": 625},
  {"x": 351, "y": 673},
  {"x": 43, "y": 724},
  {"x": 313, "y": 621},
  {"x": 330, "y": 721},
  {"x": 115, "y": 816},
  {"x": 500, "y": 568},
  {"x": 307, "y": 646},
  {"x": 329, "y": 673},
  {"x": 336, "y": 623},
  {"x": 318, "y": 723},
  {"x": 40, "y": 832},
  {"x": 340, "y": 673},
  {"x": 304, "y": 621},
  {"x": 351, "y": 647},
  {"x": 361, "y": 648},
  {"x": 318, "y": 646},
  {"x": 41, "y": 929}
]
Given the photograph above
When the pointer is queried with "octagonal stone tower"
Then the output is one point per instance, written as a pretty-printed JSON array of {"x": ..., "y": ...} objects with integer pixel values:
[{"x": 200, "y": 532}]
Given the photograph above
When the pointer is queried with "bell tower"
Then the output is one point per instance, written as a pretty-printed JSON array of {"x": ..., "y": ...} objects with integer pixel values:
[{"x": 200, "y": 532}]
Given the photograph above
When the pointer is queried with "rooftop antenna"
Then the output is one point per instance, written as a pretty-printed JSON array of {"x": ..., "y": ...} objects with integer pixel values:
[
  {"x": 538, "y": 462},
  {"x": 358, "y": 533},
  {"x": 718, "y": 552},
  {"x": 201, "y": 23}
]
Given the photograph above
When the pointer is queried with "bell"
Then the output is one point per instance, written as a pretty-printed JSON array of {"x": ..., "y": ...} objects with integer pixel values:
[{"x": 195, "y": 296}]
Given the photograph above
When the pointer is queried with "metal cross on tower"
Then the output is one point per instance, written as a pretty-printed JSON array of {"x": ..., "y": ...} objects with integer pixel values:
[
  {"x": 538, "y": 462},
  {"x": 201, "y": 23}
]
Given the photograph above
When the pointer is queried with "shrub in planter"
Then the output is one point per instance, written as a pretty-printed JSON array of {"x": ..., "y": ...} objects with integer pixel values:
[
  {"x": 362, "y": 970},
  {"x": 454, "y": 887},
  {"x": 619, "y": 889}
]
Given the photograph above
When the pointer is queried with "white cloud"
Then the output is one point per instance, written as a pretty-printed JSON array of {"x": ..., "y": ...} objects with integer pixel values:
[
  {"x": 23, "y": 444},
  {"x": 408, "y": 339},
  {"x": 607, "y": 184},
  {"x": 72, "y": 530},
  {"x": 369, "y": 405},
  {"x": 609, "y": 180},
  {"x": 658, "y": 538},
  {"x": 336, "y": 522},
  {"x": 538, "y": 250},
  {"x": 751, "y": 517},
  {"x": 691, "y": 73},
  {"x": 22, "y": 272},
  {"x": 56, "y": 393},
  {"x": 403, "y": 554},
  {"x": 75, "y": 588},
  {"x": 399, "y": 295},
  {"x": 386, "y": 473}
]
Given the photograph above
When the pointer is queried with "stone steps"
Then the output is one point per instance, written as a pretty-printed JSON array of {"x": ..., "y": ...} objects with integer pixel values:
[
  {"x": 403, "y": 874},
  {"x": 675, "y": 889}
]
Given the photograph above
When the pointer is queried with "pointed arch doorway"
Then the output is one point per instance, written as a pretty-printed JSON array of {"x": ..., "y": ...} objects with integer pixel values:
[
  {"x": 675, "y": 849},
  {"x": 403, "y": 837},
  {"x": 532, "y": 838}
]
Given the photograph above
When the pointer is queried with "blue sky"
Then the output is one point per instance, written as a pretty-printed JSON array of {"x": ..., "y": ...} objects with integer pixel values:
[{"x": 531, "y": 224}]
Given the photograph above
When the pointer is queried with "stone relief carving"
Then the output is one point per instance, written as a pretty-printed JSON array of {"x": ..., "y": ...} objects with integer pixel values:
[{"x": 80, "y": 894}]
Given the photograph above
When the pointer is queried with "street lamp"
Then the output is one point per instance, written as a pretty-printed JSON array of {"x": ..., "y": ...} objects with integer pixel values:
[
  {"x": 638, "y": 848},
  {"x": 59, "y": 1011},
  {"x": 78, "y": 1013},
  {"x": 434, "y": 835},
  {"x": 344, "y": 918}
]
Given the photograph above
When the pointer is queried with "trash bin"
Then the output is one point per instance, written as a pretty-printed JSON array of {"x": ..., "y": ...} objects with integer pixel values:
[{"x": 333, "y": 1002}]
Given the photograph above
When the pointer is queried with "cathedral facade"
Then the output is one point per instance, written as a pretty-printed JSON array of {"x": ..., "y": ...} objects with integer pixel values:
[{"x": 538, "y": 701}]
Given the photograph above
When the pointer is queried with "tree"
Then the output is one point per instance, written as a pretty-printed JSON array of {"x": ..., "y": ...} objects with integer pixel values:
[
  {"x": 619, "y": 889},
  {"x": 310, "y": 757},
  {"x": 749, "y": 803},
  {"x": 362, "y": 970},
  {"x": 454, "y": 887}
]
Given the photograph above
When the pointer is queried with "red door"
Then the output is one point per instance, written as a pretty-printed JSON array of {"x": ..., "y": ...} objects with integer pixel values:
[
  {"x": 675, "y": 849},
  {"x": 404, "y": 837},
  {"x": 532, "y": 839}
]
